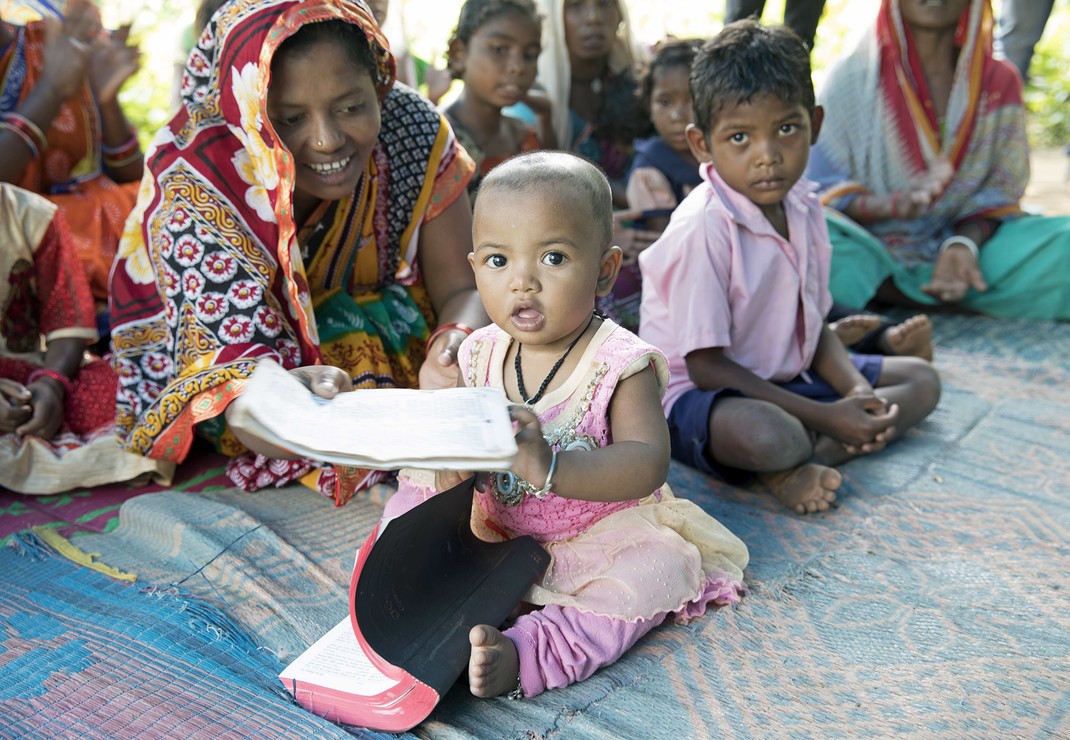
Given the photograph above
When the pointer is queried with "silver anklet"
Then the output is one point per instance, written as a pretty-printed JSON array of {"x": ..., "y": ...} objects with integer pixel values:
[{"x": 518, "y": 693}]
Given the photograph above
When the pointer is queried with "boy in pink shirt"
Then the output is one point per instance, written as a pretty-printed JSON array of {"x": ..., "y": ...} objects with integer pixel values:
[{"x": 736, "y": 290}]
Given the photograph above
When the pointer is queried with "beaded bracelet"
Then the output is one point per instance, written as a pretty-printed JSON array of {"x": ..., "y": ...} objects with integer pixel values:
[
  {"x": 442, "y": 329},
  {"x": 47, "y": 372}
]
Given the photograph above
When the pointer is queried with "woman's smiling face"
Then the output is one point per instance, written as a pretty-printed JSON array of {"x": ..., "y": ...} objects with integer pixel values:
[{"x": 325, "y": 109}]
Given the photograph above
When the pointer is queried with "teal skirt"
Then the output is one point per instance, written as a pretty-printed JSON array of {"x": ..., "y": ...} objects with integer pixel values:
[{"x": 1026, "y": 264}]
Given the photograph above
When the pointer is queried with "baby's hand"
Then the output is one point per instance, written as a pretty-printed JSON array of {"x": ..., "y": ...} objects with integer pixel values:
[
  {"x": 324, "y": 380},
  {"x": 533, "y": 455},
  {"x": 447, "y": 479}
]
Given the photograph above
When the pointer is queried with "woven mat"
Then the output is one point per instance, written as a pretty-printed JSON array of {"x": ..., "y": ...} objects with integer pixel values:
[
  {"x": 931, "y": 602},
  {"x": 97, "y": 509}
]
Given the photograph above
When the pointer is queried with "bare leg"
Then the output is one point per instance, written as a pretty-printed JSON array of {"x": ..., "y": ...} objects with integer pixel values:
[
  {"x": 912, "y": 338},
  {"x": 763, "y": 438},
  {"x": 494, "y": 665},
  {"x": 913, "y": 385},
  {"x": 851, "y": 329}
]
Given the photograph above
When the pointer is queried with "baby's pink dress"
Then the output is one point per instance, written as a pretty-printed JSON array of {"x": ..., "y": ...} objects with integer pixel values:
[
  {"x": 617, "y": 569},
  {"x": 626, "y": 560}
]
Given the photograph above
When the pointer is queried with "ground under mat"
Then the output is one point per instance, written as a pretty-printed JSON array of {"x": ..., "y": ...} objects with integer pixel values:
[{"x": 931, "y": 602}]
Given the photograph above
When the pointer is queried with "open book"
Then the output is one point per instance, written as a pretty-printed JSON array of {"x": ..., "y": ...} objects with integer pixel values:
[
  {"x": 421, "y": 581},
  {"x": 384, "y": 429}
]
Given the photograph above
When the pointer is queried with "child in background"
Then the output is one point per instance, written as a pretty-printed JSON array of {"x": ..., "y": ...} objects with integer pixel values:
[
  {"x": 495, "y": 51},
  {"x": 664, "y": 169},
  {"x": 588, "y": 481},
  {"x": 737, "y": 290}
]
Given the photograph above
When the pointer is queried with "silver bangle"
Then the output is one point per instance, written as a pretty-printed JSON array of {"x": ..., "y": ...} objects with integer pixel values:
[
  {"x": 541, "y": 493},
  {"x": 965, "y": 241}
]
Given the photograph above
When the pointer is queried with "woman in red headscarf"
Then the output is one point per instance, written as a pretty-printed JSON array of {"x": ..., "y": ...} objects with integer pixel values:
[{"x": 301, "y": 207}]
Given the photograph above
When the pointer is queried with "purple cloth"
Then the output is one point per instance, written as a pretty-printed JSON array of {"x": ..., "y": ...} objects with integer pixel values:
[{"x": 559, "y": 646}]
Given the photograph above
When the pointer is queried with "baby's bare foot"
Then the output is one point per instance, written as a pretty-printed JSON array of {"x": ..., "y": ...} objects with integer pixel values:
[
  {"x": 913, "y": 338},
  {"x": 851, "y": 329},
  {"x": 805, "y": 489},
  {"x": 494, "y": 665}
]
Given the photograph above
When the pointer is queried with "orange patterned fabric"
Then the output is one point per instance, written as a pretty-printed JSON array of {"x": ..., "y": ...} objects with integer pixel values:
[
  {"x": 212, "y": 274},
  {"x": 68, "y": 172}
]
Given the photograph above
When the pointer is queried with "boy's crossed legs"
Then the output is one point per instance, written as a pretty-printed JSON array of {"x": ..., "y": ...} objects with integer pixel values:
[{"x": 797, "y": 463}]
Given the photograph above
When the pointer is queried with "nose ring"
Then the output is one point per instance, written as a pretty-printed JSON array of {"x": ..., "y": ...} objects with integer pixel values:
[{"x": 319, "y": 143}]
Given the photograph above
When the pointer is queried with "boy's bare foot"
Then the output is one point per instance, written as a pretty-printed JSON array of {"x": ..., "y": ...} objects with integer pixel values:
[
  {"x": 851, "y": 329},
  {"x": 494, "y": 665},
  {"x": 913, "y": 338},
  {"x": 805, "y": 489}
]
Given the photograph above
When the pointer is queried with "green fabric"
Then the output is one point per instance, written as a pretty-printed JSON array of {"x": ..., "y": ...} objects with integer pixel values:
[
  {"x": 392, "y": 315},
  {"x": 1026, "y": 264}
]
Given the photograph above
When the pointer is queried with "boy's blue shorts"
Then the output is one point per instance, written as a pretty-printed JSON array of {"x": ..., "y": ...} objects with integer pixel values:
[{"x": 689, "y": 418}]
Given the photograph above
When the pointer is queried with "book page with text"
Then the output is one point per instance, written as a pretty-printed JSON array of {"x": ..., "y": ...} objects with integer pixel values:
[{"x": 335, "y": 661}]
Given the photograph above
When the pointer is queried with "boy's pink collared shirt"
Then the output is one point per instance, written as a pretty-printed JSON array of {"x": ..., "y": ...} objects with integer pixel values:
[{"x": 720, "y": 276}]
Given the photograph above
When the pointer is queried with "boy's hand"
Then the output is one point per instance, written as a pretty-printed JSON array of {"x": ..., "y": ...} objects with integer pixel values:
[
  {"x": 15, "y": 408},
  {"x": 862, "y": 423},
  {"x": 533, "y": 455}
]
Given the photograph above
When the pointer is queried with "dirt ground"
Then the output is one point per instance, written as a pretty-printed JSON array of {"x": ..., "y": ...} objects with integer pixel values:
[{"x": 1048, "y": 191}]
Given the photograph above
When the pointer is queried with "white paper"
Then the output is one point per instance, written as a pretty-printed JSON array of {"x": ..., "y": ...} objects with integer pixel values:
[
  {"x": 335, "y": 661},
  {"x": 452, "y": 429}
]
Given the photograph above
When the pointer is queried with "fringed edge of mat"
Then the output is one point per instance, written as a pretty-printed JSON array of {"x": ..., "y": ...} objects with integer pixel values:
[{"x": 43, "y": 541}]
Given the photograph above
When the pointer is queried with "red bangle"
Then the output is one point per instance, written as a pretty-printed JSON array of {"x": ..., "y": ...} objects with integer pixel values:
[
  {"x": 895, "y": 199},
  {"x": 442, "y": 329},
  {"x": 29, "y": 131},
  {"x": 46, "y": 372},
  {"x": 863, "y": 215}
]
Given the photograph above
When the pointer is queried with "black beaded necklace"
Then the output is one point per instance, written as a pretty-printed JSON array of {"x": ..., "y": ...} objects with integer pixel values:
[{"x": 549, "y": 376}]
